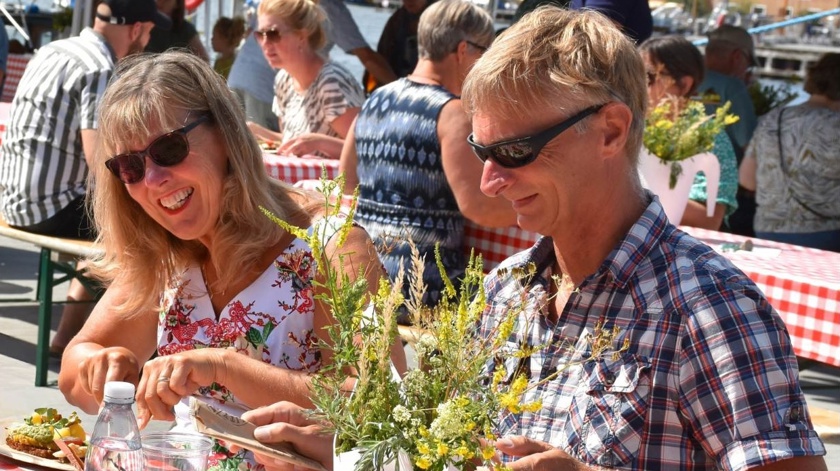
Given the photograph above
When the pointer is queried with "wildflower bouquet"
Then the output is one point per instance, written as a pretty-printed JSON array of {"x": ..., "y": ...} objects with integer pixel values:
[
  {"x": 676, "y": 130},
  {"x": 439, "y": 416}
]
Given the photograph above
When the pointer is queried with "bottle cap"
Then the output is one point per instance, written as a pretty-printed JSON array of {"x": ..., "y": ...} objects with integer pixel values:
[{"x": 119, "y": 392}]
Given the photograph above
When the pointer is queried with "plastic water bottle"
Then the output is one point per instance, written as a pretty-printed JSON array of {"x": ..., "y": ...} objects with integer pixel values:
[{"x": 115, "y": 442}]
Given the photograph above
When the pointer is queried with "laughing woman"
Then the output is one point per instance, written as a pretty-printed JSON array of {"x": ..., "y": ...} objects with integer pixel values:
[
  {"x": 195, "y": 272},
  {"x": 315, "y": 99}
]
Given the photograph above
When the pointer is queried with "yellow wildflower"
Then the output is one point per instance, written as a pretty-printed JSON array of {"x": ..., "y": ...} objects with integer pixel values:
[
  {"x": 423, "y": 462},
  {"x": 423, "y": 448},
  {"x": 442, "y": 449}
]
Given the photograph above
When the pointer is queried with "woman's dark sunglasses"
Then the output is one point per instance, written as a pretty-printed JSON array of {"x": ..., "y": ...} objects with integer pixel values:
[
  {"x": 271, "y": 35},
  {"x": 167, "y": 150},
  {"x": 524, "y": 150}
]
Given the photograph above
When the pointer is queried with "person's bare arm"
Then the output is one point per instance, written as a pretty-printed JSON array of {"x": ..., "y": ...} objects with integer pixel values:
[
  {"x": 341, "y": 125},
  {"x": 463, "y": 171},
  {"x": 329, "y": 146},
  {"x": 746, "y": 173},
  {"x": 376, "y": 64},
  {"x": 695, "y": 215},
  {"x": 110, "y": 347},
  {"x": 265, "y": 134},
  {"x": 89, "y": 138},
  {"x": 349, "y": 160}
]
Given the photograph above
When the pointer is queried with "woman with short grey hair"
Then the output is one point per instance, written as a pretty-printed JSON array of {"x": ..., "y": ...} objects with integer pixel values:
[{"x": 408, "y": 152}]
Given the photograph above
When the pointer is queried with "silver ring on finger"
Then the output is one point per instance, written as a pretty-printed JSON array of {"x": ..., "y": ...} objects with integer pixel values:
[{"x": 163, "y": 379}]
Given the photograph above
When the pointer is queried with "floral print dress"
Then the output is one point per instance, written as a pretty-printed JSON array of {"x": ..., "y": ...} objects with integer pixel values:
[{"x": 270, "y": 320}]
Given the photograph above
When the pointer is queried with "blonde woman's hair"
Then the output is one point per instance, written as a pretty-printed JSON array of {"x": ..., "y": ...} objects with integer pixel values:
[
  {"x": 301, "y": 15},
  {"x": 151, "y": 94},
  {"x": 566, "y": 59},
  {"x": 446, "y": 23}
]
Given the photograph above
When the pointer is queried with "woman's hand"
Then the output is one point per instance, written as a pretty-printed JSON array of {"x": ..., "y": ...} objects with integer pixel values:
[
  {"x": 107, "y": 364},
  {"x": 169, "y": 378},
  {"x": 264, "y": 134},
  {"x": 305, "y": 144},
  {"x": 287, "y": 422}
]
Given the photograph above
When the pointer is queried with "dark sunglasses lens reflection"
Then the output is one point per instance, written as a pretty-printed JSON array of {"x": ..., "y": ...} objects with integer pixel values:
[
  {"x": 511, "y": 155},
  {"x": 167, "y": 150},
  {"x": 269, "y": 35}
]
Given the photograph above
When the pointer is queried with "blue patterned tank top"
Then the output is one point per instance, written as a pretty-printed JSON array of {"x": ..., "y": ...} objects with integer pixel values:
[{"x": 403, "y": 190}]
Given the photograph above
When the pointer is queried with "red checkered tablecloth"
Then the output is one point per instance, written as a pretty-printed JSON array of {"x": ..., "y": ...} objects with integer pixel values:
[
  {"x": 494, "y": 245},
  {"x": 803, "y": 285},
  {"x": 294, "y": 169},
  {"x": 15, "y": 66}
]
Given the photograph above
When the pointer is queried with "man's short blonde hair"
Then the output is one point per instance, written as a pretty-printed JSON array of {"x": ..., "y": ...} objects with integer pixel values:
[{"x": 568, "y": 60}]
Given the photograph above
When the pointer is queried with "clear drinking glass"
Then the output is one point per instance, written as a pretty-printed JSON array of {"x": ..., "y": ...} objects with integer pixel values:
[{"x": 174, "y": 451}]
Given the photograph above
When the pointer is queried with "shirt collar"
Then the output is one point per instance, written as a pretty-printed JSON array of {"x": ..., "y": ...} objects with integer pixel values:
[
  {"x": 638, "y": 243},
  {"x": 92, "y": 35},
  {"x": 622, "y": 261}
]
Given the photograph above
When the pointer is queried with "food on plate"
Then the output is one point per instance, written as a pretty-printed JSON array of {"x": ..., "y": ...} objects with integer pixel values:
[
  {"x": 36, "y": 434},
  {"x": 268, "y": 146}
]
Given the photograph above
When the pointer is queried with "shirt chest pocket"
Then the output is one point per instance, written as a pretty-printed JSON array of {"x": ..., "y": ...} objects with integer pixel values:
[{"x": 608, "y": 414}]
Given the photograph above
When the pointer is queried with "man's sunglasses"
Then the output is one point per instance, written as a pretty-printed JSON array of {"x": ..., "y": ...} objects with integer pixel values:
[
  {"x": 524, "y": 150},
  {"x": 271, "y": 35},
  {"x": 167, "y": 150}
]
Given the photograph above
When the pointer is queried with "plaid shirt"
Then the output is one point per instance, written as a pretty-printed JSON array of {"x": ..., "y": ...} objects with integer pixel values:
[{"x": 709, "y": 381}]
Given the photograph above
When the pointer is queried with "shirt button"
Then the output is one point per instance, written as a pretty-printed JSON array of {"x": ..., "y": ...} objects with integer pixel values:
[{"x": 609, "y": 378}]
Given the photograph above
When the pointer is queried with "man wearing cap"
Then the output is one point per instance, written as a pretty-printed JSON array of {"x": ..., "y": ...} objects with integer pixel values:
[
  {"x": 52, "y": 131},
  {"x": 729, "y": 55}
]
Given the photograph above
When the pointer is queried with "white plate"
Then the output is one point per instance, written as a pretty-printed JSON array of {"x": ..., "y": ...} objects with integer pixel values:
[{"x": 5, "y": 450}]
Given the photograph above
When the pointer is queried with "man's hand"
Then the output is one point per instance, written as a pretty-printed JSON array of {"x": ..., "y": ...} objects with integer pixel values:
[
  {"x": 536, "y": 455},
  {"x": 287, "y": 422}
]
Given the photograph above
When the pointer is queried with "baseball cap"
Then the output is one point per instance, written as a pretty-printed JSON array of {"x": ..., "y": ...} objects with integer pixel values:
[
  {"x": 127, "y": 12},
  {"x": 738, "y": 37}
]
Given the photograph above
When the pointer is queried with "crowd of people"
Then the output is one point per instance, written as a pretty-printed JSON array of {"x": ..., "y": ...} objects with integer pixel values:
[{"x": 156, "y": 157}]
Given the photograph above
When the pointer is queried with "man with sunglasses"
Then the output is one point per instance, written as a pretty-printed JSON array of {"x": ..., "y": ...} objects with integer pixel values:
[
  {"x": 52, "y": 132},
  {"x": 697, "y": 370}
]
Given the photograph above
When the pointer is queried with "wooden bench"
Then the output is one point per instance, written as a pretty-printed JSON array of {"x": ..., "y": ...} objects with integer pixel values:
[{"x": 57, "y": 256}]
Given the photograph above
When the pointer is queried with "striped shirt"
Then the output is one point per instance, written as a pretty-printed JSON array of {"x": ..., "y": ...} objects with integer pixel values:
[
  {"x": 42, "y": 164},
  {"x": 709, "y": 380},
  {"x": 333, "y": 92}
]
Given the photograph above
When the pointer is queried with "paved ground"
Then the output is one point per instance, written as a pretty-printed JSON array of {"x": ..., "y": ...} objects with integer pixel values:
[{"x": 19, "y": 325}]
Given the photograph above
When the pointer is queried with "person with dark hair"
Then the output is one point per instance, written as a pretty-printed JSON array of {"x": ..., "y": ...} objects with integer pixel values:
[
  {"x": 527, "y": 6},
  {"x": 674, "y": 68},
  {"x": 398, "y": 41},
  {"x": 632, "y": 16},
  {"x": 793, "y": 165},
  {"x": 182, "y": 34},
  {"x": 227, "y": 35}
]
